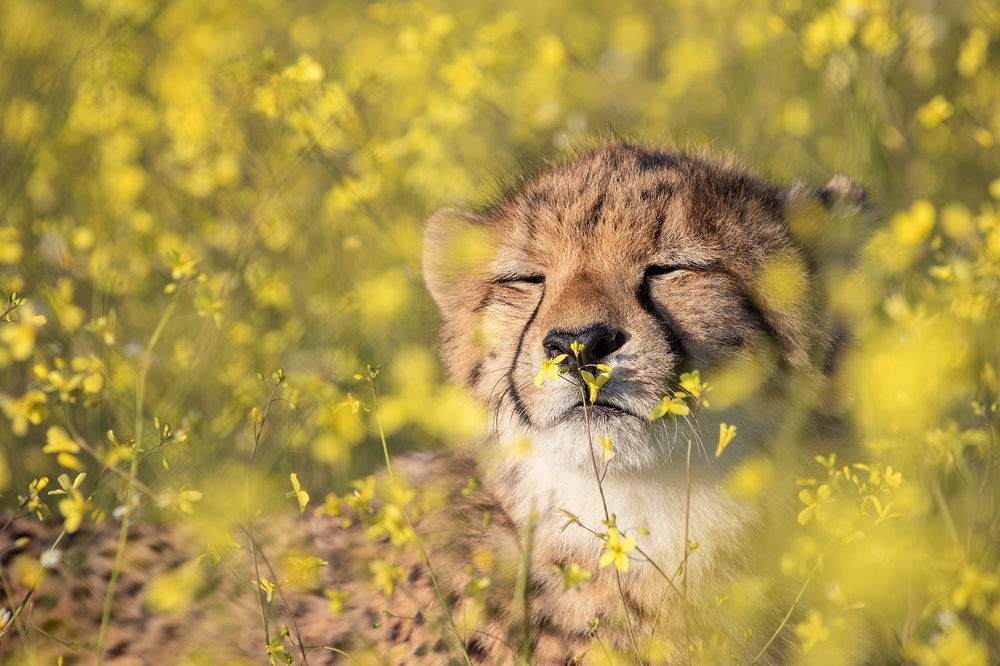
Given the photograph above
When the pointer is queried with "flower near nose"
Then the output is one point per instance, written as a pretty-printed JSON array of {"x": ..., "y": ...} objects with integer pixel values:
[
  {"x": 595, "y": 383},
  {"x": 550, "y": 369}
]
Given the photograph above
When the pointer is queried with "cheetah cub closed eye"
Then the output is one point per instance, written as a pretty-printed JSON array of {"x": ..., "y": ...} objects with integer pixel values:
[{"x": 637, "y": 266}]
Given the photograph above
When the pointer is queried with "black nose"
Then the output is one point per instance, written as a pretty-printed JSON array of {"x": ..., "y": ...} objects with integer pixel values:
[{"x": 599, "y": 341}]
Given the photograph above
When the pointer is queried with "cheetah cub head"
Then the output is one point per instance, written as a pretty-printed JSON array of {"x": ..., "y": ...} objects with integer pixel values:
[{"x": 657, "y": 263}]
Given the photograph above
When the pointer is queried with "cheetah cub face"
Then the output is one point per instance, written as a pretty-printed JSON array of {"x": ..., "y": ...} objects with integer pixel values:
[{"x": 656, "y": 262}]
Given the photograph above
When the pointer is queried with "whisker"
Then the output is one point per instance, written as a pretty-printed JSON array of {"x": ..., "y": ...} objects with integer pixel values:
[
  {"x": 512, "y": 387},
  {"x": 496, "y": 413},
  {"x": 502, "y": 377}
]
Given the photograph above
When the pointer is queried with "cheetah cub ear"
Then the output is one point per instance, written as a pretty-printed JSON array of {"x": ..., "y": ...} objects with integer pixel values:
[
  {"x": 841, "y": 191},
  {"x": 829, "y": 220},
  {"x": 458, "y": 249}
]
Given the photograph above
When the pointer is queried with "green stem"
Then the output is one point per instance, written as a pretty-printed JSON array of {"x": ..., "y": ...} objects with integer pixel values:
[
  {"x": 15, "y": 618},
  {"x": 522, "y": 591},
  {"x": 284, "y": 603},
  {"x": 83, "y": 444},
  {"x": 258, "y": 432},
  {"x": 307, "y": 648},
  {"x": 140, "y": 396},
  {"x": 381, "y": 431},
  {"x": 604, "y": 503},
  {"x": 687, "y": 542},
  {"x": 784, "y": 620},
  {"x": 987, "y": 473},
  {"x": 593, "y": 458},
  {"x": 416, "y": 537},
  {"x": 15, "y": 516},
  {"x": 16, "y": 613},
  {"x": 659, "y": 570},
  {"x": 746, "y": 645}
]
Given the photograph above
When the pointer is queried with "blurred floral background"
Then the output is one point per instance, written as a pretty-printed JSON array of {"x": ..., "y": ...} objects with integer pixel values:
[{"x": 192, "y": 193}]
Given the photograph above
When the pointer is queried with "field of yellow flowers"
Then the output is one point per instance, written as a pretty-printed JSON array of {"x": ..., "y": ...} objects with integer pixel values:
[{"x": 210, "y": 228}]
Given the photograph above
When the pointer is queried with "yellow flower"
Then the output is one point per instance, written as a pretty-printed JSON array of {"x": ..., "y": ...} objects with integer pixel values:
[
  {"x": 572, "y": 575},
  {"x": 355, "y": 404},
  {"x": 29, "y": 408},
  {"x": 973, "y": 53},
  {"x": 691, "y": 382},
  {"x": 305, "y": 70},
  {"x": 19, "y": 336},
  {"x": 182, "y": 266},
  {"x": 268, "y": 587},
  {"x": 10, "y": 245},
  {"x": 276, "y": 651},
  {"x": 550, "y": 369},
  {"x": 303, "y": 569},
  {"x": 812, "y": 630},
  {"x": 33, "y": 502},
  {"x": 63, "y": 446},
  {"x": 391, "y": 520},
  {"x": 616, "y": 550},
  {"x": 364, "y": 493},
  {"x": 830, "y": 31},
  {"x": 331, "y": 506},
  {"x": 913, "y": 226},
  {"x": 175, "y": 590},
  {"x": 59, "y": 442},
  {"x": 186, "y": 496},
  {"x": 386, "y": 576},
  {"x": 975, "y": 590},
  {"x": 935, "y": 112},
  {"x": 892, "y": 479},
  {"x": 72, "y": 508},
  {"x": 216, "y": 551},
  {"x": 673, "y": 406},
  {"x": 337, "y": 600},
  {"x": 297, "y": 492},
  {"x": 595, "y": 384},
  {"x": 726, "y": 434},
  {"x": 265, "y": 101},
  {"x": 476, "y": 585},
  {"x": 607, "y": 454},
  {"x": 813, "y": 503}
]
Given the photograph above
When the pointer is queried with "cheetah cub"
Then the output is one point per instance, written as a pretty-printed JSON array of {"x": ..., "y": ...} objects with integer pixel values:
[{"x": 635, "y": 265}]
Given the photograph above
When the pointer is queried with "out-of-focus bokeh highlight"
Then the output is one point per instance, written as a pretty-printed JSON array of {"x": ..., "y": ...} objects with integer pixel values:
[{"x": 192, "y": 193}]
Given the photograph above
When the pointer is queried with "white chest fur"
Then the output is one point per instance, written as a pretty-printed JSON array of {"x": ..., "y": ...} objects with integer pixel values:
[{"x": 654, "y": 500}]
